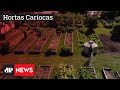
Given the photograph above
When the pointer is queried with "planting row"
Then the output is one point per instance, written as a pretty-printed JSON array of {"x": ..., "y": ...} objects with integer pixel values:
[
  {"x": 81, "y": 38},
  {"x": 26, "y": 43},
  {"x": 67, "y": 50},
  {"x": 12, "y": 34},
  {"x": 41, "y": 42},
  {"x": 16, "y": 41},
  {"x": 20, "y": 37},
  {"x": 54, "y": 43},
  {"x": 106, "y": 24},
  {"x": 68, "y": 42}
]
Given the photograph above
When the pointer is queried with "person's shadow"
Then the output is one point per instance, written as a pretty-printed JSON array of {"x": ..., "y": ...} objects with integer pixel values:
[{"x": 86, "y": 64}]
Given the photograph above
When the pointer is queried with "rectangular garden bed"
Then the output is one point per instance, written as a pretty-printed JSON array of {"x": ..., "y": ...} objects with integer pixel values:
[
  {"x": 40, "y": 43},
  {"x": 87, "y": 73},
  {"x": 110, "y": 74},
  {"x": 21, "y": 49},
  {"x": 55, "y": 42},
  {"x": 68, "y": 42},
  {"x": 16, "y": 41},
  {"x": 43, "y": 72}
]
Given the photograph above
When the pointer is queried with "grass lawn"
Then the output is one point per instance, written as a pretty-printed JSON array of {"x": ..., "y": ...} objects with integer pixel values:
[{"x": 102, "y": 30}]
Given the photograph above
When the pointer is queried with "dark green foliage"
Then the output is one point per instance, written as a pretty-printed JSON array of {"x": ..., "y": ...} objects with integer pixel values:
[
  {"x": 106, "y": 23},
  {"x": 90, "y": 22},
  {"x": 5, "y": 48},
  {"x": 116, "y": 33},
  {"x": 65, "y": 72},
  {"x": 49, "y": 52},
  {"x": 109, "y": 14},
  {"x": 86, "y": 74},
  {"x": 66, "y": 52}
]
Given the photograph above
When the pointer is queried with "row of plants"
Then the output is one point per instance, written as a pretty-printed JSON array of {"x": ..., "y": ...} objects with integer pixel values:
[
  {"x": 25, "y": 44},
  {"x": 41, "y": 42},
  {"x": 67, "y": 49},
  {"x": 23, "y": 35},
  {"x": 106, "y": 24},
  {"x": 52, "y": 49},
  {"x": 16, "y": 41},
  {"x": 81, "y": 38},
  {"x": 10, "y": 35}
]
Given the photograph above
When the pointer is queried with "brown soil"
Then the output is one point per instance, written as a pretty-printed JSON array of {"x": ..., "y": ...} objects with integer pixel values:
[
  {"x": 109, "y": 45},
  {"x": 112, "y": 75}
]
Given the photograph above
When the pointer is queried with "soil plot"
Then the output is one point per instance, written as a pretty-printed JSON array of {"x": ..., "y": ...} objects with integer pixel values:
[{"x": 110, "y": 74}]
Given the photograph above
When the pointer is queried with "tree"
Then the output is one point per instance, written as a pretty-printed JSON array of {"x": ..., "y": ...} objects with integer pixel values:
[
  {"x": 90, "y": 23},
  {"x": 116, "y": 33}
]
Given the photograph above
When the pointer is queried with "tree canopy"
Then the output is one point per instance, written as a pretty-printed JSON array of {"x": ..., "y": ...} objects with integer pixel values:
[
  {"x": 90, "y": 22},
  {"x": 116, "y": 33}
]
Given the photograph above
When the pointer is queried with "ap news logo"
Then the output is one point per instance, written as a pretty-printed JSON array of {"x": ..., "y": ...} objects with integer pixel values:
[
  {"x": 8, "y": 70},
  {"x": 19, "y": 70},
  {"x": 24, "y": 70}
]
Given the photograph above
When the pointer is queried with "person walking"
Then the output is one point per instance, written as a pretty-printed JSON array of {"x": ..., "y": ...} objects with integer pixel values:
[{"x": 90, "y": 56}]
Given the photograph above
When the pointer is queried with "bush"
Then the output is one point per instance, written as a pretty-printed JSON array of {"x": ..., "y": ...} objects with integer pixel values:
[
  {"x": 66, "y": 52},
  {"x": 5, "y": 48},
  {"x": 86, "y": 74},
  {"x": 49, "y": 52},
  {"x": 116, "y": 33},
  {"x": 65, "y": 72}
]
